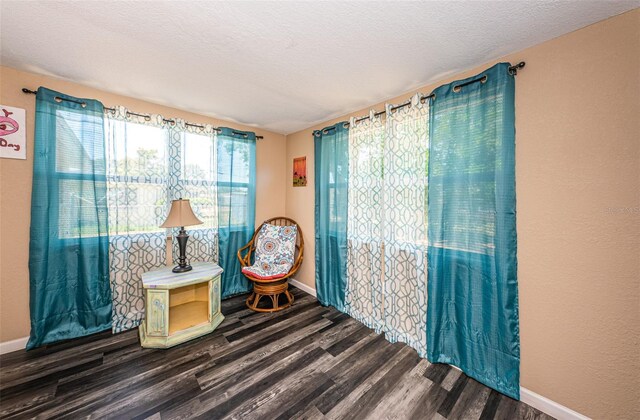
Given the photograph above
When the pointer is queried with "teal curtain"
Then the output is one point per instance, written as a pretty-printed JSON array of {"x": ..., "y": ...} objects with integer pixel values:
[
  {"x": 331, "y": 184},
  {"x": 236, "y": 186},
  {"x": 472, "y": 317},
  {"x": 69, "y": 245}
]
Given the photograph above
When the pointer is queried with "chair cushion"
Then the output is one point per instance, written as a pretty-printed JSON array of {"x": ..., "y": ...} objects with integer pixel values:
[
  {"x": 274, "y": 254},
  {"x": 267, "y": 272}
]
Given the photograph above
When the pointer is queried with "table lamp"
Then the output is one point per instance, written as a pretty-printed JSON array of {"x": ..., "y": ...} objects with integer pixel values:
[{"x": 180, "y": 216}]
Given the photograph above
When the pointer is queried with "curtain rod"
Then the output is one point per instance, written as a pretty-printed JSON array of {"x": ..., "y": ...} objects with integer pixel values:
[
  {"x": 513, "y": 70},
  {"x": 145, "y": 116}
]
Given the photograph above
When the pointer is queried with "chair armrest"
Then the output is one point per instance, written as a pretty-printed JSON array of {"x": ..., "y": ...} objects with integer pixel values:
[{"x": 246, "y": 260}]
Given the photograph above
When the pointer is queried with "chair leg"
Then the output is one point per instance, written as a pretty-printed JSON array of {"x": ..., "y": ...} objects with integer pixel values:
[
  {"x": 257, "y": 301},
  {"x": 289, "y": 296},
  {"x": 253, "y": 300},
  {"x": 250, "y": 298}
]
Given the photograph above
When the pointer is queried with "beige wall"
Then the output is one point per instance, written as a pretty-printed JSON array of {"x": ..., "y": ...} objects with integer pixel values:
[
  {"x": 15, "y": 186},
  {"x": 577, "y": 156}
]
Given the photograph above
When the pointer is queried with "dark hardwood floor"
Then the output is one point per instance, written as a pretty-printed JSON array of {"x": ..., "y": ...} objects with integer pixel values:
[{"x": 307, "y": 362}]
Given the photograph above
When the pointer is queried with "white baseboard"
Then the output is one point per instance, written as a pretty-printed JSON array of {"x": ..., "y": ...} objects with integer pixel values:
[
  {"x": 303, "y": 287},
  {"x": 548, "y": 406},
  {"x": 13, "y": 345},
  {"x": 545, "y": 405}
]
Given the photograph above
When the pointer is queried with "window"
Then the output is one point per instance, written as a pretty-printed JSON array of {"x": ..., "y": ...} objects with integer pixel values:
[
  {"x": 137, "y": 176},
  {"x": 234, "y": 177},
  {"x": 467, "y": 152},
  {"x": 198, "y": 177},
  {"x": 79, "y": 152},
  {"x": 147, "y": 165}
]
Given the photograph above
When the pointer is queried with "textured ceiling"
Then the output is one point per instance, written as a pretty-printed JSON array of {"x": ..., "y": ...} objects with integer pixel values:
[{"x": 282, "y": 66}]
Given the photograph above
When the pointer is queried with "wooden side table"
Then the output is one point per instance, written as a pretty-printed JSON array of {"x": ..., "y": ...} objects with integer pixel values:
[{"x": 180, "y": 306}]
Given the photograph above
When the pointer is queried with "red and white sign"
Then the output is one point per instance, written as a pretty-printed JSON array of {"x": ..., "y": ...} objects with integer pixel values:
[{"x": 13, "y": 137}]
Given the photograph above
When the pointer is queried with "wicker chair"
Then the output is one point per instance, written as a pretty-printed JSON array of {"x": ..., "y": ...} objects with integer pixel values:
[{"x": 273, "y": 288}]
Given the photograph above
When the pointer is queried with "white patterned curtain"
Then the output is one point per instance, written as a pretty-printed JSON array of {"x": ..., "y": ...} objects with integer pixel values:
[
  {"x": 405, "y": 230},
  {"x": 387, "y": 223},
  {"x": 193, "y": 175},
  {"x": 150, "y": 163},
  {"x": 137, "y": 195},
  {"x": 363, "y": 294}
]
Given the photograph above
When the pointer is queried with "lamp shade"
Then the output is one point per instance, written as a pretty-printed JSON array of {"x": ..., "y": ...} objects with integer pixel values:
[{"x": 180, "y": 215}]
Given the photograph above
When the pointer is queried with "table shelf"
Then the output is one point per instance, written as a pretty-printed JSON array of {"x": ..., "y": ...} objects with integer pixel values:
[{"x": 187, "y": 315}]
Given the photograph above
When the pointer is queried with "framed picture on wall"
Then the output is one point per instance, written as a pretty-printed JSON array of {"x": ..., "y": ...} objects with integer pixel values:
[
  {"x": 13, "y": 138},
  {"x": 300, "y": 171}
]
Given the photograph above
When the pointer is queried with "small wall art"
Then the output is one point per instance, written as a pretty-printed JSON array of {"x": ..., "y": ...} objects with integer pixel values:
[
  {"x": 300, "y": 171},
  {"x": 13, "y": 138}
]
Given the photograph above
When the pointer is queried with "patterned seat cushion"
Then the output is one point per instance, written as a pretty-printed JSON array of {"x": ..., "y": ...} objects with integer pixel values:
[{"x": 275, "y": 250}]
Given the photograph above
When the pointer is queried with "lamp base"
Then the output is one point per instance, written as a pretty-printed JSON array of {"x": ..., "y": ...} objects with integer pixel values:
[
  {"x": 182, "y": 239},
  {"x": 182, "y": 269}
]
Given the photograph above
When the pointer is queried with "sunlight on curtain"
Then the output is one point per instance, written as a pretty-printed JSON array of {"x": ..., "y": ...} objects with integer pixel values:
[
  {"x": 364, "y": 293},
  {"x": 406, "y": 156},
  {"x": 387, "y": 223},
  {"x": 137, "y": 175},
  {"x": 193, "y": 171}
]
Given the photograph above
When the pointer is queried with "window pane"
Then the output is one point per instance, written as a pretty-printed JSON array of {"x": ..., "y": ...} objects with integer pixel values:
[
  {"x": 79, "y": 143},
  {"x": 464, "y": 173},
  {"x": 237, "y": 152},
  {"x": 136, "y": 207},
  {"x": 405, "y": 177},
  {"x": 203, "y": 202},
  {"x": 137, "y": 176},
  {"x": 233, "y": 205},
  {"x": 137, "y": 150},
  {"x": 81, "y": 212},
  {"x": 198, "y": 157}
]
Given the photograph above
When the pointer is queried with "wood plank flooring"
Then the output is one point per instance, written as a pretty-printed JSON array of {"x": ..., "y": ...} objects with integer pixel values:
[{"x": 306, "y": 362}]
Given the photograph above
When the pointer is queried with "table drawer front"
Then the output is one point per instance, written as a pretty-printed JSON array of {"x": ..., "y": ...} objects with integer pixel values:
[{"x": 157, "y": 312}]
